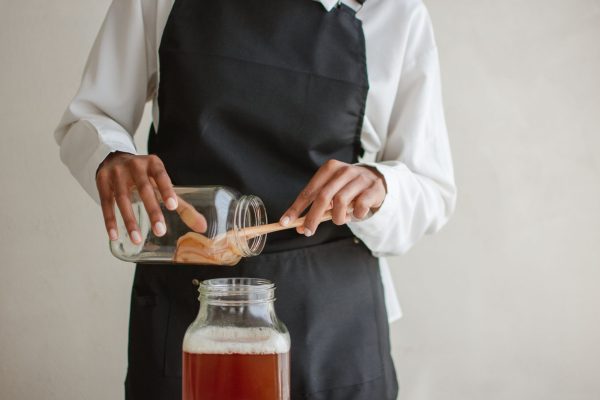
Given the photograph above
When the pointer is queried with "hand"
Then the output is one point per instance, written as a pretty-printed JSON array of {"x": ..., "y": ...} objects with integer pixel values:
[
  {"x": 118, "y": 175},
  {"x": 346, "y": 189}
]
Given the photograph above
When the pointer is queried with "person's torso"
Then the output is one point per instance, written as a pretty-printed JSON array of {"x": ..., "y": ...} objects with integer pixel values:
[{"x": 257, "y": 96}]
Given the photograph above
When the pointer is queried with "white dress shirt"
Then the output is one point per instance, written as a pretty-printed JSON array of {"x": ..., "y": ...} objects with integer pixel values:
[{"x": 404, "y": 133}]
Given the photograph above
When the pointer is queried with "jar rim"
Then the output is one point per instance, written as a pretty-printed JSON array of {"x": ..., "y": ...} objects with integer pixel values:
[
  {"x": 235, "y": 284},
  {"x": 237, "y": 290},
  {"x": 250, "y": 211}
]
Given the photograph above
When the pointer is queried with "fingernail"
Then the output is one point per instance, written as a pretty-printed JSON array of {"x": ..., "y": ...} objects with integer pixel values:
[
  {"x": 112, "y": 235},
  {"x": 160, "y": 229},
  {"x": 135, "y": 237},
  {"x": 307, "y": 232},
  {"x": 285, "y": 221},
  {"x": 171, "y": 203}
]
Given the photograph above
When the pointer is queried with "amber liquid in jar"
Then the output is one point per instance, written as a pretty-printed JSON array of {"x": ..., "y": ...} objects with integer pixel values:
[{"x": 236, "y": 364}]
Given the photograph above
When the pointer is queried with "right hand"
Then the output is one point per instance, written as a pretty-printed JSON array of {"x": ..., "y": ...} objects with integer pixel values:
[{"x": 118, "y": 175}]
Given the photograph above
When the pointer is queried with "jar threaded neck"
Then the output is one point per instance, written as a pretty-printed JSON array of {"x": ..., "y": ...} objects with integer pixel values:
[
  {"x": 250, "y": 211},
  {"x": 237, "y": 291}
]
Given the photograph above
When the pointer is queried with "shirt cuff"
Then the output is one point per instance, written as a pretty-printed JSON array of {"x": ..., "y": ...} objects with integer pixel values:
[{"x": 86, "y": 145}]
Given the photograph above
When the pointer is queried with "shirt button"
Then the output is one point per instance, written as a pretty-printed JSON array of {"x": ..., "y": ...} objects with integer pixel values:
[
  {"x": 355, "y": 240},
  {"x": 195, "y": 282}
]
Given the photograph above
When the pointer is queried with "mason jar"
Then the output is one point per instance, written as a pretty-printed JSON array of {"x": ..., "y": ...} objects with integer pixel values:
[
  {"x": 236, "y": 348},
  {"x": 206, "y": 228}
]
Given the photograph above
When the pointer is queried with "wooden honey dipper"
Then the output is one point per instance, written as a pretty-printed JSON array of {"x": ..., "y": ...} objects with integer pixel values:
[
  {"x": 258, "y": 230},
  {"x": 196, "y": 248}
]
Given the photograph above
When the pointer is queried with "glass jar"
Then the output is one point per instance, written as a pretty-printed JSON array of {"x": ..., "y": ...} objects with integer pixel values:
[
  {"x": 205, "y": 229},
  {"x": 236, "y": 348}
]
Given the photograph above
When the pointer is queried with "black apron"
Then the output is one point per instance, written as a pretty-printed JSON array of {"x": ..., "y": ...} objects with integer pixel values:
[{"x": 257, "y": 95}]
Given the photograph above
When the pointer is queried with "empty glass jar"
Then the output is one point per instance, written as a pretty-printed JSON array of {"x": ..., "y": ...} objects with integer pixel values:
[{"x": 207, "y": 228}]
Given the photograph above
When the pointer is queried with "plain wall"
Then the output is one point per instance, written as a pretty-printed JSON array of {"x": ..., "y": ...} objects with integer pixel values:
[{"x": 502, "y": 304}]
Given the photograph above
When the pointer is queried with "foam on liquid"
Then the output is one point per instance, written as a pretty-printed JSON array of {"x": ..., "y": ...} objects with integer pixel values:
[{"x": 233, "y": 340}]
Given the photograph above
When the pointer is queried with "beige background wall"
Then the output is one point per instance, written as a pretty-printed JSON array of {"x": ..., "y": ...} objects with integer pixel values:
[{"x": 503, "y": 304}]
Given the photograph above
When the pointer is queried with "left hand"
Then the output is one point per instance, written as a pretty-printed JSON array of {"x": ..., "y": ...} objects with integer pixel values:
[{"x": 337, "y": 186}]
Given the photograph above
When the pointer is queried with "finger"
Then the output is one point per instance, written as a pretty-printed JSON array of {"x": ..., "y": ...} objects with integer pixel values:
[
  {"x": 148, "y": 196},
  {"x": 308, "y": 194},
  {"x": 108, "y": 206},
  {"x": 163, "y": 183},
  {"x": 365, "y": 201},
  {"x": 344, "y": 198},
  {"x": 323, "y": 200},
  {"x": 191, "y": 217},
  {"x": 296, "y": 209},
  {"x": 122, "y": 197}
]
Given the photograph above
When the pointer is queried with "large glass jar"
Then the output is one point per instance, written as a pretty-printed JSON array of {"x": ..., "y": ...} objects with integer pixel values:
[
  {"x": 236, "y": 348},
  {"x": 207, "y": 228}
]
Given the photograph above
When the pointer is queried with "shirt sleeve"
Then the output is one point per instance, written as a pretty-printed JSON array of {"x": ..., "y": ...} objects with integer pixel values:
[
  {"x": 415, "y": 161},
  {"x": 107, "y": 109}
]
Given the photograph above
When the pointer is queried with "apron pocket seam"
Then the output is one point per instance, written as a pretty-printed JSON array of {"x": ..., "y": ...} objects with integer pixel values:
[
  {"x": 346, "y": 386},
  {"x": 166, "y": 342},
  {"x": 375, "y": 284}
]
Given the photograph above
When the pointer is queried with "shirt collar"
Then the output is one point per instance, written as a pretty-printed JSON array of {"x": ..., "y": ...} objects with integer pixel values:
[
  {"x": 356, "y": 5},
  {"x": 328, "y": 4}
]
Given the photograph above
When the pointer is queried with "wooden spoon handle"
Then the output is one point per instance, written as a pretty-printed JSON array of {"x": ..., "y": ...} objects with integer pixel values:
[{"x": 259, "y": 230}]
